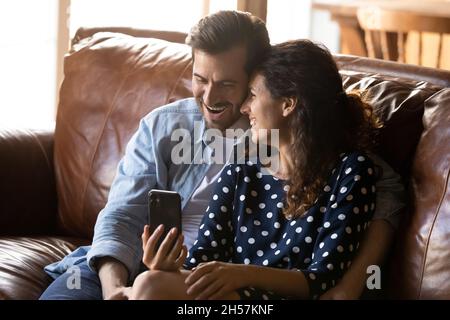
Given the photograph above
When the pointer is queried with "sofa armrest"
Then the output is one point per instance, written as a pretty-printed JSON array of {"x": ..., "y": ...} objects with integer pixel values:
[{"x": 28, "y": 201}]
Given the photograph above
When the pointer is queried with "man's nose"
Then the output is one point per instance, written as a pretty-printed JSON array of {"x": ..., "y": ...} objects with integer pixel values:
[{"x": 210, "y": 95}]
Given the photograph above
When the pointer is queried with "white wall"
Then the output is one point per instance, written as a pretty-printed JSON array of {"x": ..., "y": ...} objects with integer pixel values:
[
  {"x": 288, "y": 19},
  {"x": 28, "y": 32},
  {"x": 27, "y": 63},
  {"x": 175, "y": 15},
  {"x": 324, "y": 30}
]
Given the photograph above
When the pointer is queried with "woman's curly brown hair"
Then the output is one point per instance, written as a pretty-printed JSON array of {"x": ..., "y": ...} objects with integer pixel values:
[{"x": 326, "y": 121}]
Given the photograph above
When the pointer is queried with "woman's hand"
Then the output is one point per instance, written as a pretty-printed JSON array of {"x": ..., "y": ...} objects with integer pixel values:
[
  {"x": 215, "y": 280},
  {"x": 171, "y": 254},
  {"x": 340, "y": 292}
]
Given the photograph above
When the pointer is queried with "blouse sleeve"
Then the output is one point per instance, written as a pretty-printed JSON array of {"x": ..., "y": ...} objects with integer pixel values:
[
  {"x": 215, "y": 235},
  {"x": 350, "y": 206}
]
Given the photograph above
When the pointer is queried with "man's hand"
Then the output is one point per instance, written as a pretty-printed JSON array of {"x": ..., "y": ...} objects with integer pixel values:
[
  {"x": 215, "y": 280},
  {"x": 171, "y": 254},
  {"x": 119, "y": 293}
]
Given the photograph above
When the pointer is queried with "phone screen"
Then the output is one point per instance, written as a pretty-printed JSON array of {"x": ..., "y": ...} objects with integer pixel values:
[{"x": 164, "y": 207}]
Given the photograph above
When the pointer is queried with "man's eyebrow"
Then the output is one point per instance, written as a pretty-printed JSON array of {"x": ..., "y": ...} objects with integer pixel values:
[
  {"x": 197, "y": 75},
  {"x": 221, "y": 81}
]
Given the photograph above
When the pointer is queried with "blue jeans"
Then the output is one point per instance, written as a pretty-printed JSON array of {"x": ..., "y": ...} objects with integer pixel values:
[{"x": 88, "y": 286}]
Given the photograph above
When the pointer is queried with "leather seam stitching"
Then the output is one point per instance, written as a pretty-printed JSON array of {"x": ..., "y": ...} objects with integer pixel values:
[
  {"x": 97, "y": 144},
  {"x": 41, "y": 147},
  {"x": 177, "y": 82}
]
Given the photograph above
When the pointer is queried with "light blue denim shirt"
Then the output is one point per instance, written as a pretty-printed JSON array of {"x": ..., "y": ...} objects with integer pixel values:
[{"x": 147, "y": 164}]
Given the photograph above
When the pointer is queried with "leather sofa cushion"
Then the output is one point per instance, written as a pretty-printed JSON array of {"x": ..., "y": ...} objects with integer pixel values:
[
  {"x": 22, "y": 262},
  {"x": 27, "y": 188}
]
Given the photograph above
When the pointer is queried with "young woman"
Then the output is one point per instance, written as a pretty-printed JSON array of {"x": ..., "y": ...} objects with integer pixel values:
[{"x": 291, "y": 233}]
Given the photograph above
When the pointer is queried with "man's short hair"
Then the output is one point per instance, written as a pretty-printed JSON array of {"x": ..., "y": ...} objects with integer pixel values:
[{"x": 221, "y": 31}]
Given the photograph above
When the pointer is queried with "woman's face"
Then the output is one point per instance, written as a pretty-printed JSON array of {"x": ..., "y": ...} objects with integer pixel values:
[{"x": 264, "y": 111}]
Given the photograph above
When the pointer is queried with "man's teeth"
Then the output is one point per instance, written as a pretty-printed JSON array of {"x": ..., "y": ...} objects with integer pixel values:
[{"x": 216, "y": 108}]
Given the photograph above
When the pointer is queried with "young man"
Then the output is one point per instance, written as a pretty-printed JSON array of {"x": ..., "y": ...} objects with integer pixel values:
[{"x": 225, "y": 46}]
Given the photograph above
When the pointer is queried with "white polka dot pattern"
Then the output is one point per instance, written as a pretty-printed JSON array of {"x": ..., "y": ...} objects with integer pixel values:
[{"x": 321, "y": 243}]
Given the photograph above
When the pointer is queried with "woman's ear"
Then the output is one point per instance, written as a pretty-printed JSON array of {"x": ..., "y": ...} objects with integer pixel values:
[{"x": 289, "y": 105}]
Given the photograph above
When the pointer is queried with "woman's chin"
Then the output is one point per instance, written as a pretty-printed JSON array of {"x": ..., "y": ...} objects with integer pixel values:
[
  {"x": 254, "y": 135},
  {"x": 257, "y": 139}
]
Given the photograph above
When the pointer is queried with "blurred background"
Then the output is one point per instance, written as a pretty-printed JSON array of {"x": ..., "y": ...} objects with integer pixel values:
[{"x": 35, "y": 35}]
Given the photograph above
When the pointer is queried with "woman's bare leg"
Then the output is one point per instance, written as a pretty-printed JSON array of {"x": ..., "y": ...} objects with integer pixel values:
[{"x": 162, "y": 285}]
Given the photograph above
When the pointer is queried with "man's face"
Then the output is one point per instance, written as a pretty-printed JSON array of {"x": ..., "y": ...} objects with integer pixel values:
[{"x": 219, "y": 84}]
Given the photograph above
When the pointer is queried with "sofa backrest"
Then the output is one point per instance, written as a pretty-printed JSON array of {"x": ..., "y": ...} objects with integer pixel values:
[
  {"x": 422, "y": 257},
  {"x": 416, "y": 142},
  {"x": 112, "y": 80}
]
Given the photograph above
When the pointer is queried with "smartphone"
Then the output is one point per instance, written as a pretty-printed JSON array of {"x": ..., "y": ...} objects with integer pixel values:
[{"x": 164, "y": 207}]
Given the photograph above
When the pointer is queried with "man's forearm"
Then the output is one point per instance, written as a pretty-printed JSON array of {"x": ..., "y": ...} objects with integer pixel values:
[
  {"x": 112, "y": 273},
  {"x": 281, "y": 281},
  {"x": 373, "y": 251}
]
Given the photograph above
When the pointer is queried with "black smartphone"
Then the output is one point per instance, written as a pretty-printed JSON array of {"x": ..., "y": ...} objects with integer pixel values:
[{"x": 164, "y": 207}]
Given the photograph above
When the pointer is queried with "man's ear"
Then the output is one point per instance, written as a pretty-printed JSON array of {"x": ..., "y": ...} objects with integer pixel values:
[{"x": 289, "y": 105}]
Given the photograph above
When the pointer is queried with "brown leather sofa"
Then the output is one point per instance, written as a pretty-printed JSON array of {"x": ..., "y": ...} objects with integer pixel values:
[{"x": 53, "y": 184}]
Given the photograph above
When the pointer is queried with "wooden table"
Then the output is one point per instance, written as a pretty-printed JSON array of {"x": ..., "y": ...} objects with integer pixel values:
[
  {"x": 348, "y": 7},
  {"x": 352, "y": 36}
]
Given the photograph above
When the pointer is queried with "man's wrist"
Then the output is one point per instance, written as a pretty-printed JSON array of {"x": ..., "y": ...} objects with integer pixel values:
[{"x": 112, "y": 273}]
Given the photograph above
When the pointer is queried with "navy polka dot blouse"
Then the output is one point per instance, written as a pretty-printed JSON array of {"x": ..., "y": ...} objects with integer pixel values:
[{"x": 244, "y": 224}]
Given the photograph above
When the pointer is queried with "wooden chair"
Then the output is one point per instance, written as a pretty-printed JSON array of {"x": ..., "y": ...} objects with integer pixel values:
[{"x": 386, "y": 32}]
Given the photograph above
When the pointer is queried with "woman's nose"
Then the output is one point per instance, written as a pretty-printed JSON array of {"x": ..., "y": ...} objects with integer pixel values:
[{"x": 245, "y": 107}]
